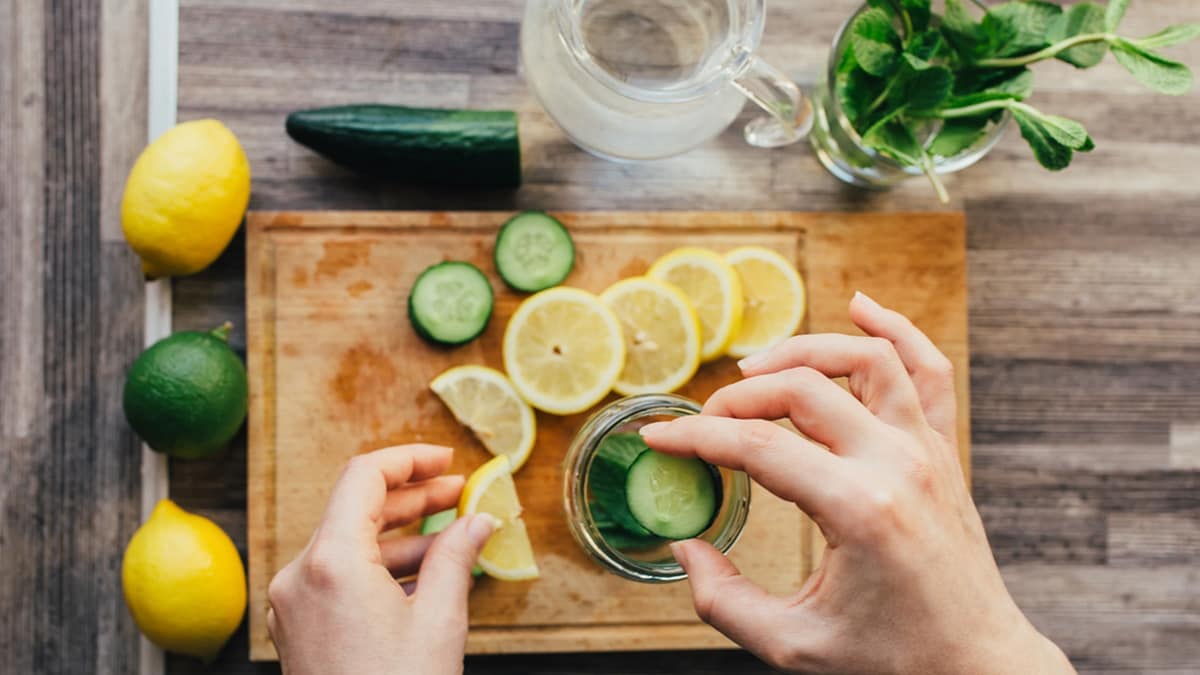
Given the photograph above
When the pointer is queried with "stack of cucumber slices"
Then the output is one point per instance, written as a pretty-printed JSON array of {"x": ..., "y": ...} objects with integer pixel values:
[{"x": 641, "y": 497}]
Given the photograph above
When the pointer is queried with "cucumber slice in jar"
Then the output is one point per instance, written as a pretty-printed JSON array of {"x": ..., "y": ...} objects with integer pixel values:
[
  {"x": 533, "y": 252},
  {"x": 673, "y": 497},
  {"x": 450, "y": 303},
  {"x": 606, "y": 480}
]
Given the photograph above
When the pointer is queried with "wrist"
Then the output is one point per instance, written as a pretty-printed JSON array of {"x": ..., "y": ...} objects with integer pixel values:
[{"x": 1024, "y": 651}]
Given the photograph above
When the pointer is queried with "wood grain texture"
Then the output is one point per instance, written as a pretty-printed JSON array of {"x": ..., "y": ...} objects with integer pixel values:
[
  {"x": 335, "y": 371},
  {"x": 71, "y": 309},
  {"x": 1083, "y": 316}
]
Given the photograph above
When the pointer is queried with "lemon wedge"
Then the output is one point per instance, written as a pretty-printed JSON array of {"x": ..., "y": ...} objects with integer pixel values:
[
  {"x": 563, "y": 350},
  {"x": 485, "y": 401},
  {"x": 774, "y": 299},
  {"x": 715, "y": 290},
  {"x": 662, "y": 335},
  {"x": 508, "y": 554}
]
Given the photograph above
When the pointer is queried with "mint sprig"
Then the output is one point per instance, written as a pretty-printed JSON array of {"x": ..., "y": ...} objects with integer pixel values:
[{"x": 918, "y": 86}]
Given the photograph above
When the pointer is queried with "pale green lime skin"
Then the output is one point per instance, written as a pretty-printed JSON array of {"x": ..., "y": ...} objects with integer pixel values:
[{"x": 187, "y": 394}]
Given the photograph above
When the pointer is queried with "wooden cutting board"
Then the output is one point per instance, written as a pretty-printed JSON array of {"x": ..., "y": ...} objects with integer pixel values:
[{"x": 336, "y": 370}]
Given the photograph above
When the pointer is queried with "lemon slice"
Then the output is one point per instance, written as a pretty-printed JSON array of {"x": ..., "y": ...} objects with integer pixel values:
[
  {"x": 662, "y": 335},
  {"x": 563, "y": 350},
  {"x": 715, "y": 290},
  {"x": 507, "y": 554},
  {"x": 774, "y": 299},
  {"x": 484, "y": 401}
]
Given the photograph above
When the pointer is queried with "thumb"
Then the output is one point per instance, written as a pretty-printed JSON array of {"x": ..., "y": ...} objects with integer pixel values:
[
  {"x": 728, "y": 601},
  {"x": 444, "y": 580}
]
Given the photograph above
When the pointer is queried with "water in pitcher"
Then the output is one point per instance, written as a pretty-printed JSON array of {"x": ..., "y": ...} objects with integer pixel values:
[{"x": 635, "y": 79}]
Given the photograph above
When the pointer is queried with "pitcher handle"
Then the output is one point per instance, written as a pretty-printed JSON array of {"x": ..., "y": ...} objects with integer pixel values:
[{"x": 791, "y": 114}]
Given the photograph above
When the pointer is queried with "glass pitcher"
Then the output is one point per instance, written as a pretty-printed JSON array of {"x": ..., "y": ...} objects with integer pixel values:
[{"x": 646, "y": 79}]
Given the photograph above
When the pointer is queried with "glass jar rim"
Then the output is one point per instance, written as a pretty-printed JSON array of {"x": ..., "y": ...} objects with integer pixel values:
[
  {"x": 752, "y": 22},
  {"x": 577, "y": 463}
]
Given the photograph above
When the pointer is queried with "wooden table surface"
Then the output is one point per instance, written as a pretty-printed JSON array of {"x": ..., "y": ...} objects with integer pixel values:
[{"x": 1084, "y": 300}]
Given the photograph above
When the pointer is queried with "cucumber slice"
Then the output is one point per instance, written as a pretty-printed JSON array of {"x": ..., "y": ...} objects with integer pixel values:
[
  {"x": 616, "y": 535},
  {"x": 533, "y": 252},
  {"x": 606, "y": 479},
  {"x": 436, "y": 522},
  {"x": 673, "y": 497},
  {"x": 450, "y": 303}
]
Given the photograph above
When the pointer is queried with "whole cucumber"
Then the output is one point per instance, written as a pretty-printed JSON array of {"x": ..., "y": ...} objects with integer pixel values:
[{"x": 418, "y": 145}]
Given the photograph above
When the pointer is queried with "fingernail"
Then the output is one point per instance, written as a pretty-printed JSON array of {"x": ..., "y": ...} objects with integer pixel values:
[
  {"x": 653, "y": 428},
  {"x": 481, "y": 527},
  {"x": 753, "y": 361},
  {"x": 679, "y": 551},
  {"x": 865, "y": 298}
]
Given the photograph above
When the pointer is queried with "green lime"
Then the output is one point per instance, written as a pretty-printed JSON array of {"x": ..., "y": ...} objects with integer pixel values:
[{"x": 186, "y": 395}]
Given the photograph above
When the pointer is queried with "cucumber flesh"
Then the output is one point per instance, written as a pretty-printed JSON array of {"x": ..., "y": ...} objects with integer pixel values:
[
  {"x": 672, "y": 497},
  {"x": 606, "y": 479},
  {"x": 533, "y": 252},
  {"x": 436, "y": 522},
  {"x": 450, "y": 303}
]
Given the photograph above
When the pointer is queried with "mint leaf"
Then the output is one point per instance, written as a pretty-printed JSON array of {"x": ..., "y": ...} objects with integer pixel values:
[
  {"x": 928, "y": 87},
  {"x": 1066, "y": 131},
  {"x": 1081, "y": 19},
  {"x": 895, "y": 139},
  {"x": 1157, "y": 72},
  {"x": 963, "y": 33},
  {"x": 874, "y": 40},
  {"x": 990, "y": 84},
  {"x": 1049, "y": 152},
  {"x": 1017, "y": 28},
  {"x": 919, "y": 12},
  {"x": 957, "y": 135},
  {"x": 1169, "y": 36},
  {"x": 1114, "y": 14},
  {"x": 926, "y": 46},
  {"x": 856, "y": 91}
]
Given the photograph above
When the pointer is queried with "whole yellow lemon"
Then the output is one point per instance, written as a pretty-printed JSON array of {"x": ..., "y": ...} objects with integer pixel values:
[
  {"x": 185, "y": 198},
  {"x": 184, "y": 582}
]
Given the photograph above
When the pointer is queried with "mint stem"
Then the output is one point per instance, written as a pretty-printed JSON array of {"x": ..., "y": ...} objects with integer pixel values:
[
  {"x": 971, "y": 110},
  {"x": 934, "y": 179},
  {"x": 1047, "y": 53}
]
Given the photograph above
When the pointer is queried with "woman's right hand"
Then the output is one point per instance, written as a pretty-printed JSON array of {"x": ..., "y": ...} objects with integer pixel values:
[{"x": 908, "y": 583}]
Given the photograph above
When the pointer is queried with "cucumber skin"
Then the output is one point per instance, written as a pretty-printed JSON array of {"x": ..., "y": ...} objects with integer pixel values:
[
  {"x": 500, "y": 267},
  {"x": 606, "y": 479},
  {"x": 617, "y": 536},
  {"x": 425, "y": 334},
  {"x": 418, "y": 145}
]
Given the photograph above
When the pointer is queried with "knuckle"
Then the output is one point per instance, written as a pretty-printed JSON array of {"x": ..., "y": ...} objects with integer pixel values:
[
  {"x": 279, "y": 589},
  {"x": 322, "y": 567},
  {"x": 757, "y": 435},
  {"x": 941, "y": 367},
  {"x": 880, "y": 350}
]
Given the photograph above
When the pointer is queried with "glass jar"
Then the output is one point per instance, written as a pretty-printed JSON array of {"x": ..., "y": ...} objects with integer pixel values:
[
  {"x": 653, "y": 564},
  {"x": 841, "y": 149}
]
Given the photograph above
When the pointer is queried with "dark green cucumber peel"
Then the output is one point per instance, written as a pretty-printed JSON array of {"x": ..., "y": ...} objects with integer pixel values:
[
  {"x": 436, "y": 522},
  {"x": 533, "y": 252},
  {"x": 419, "y": 145},
  {"x": 450, "y": 303},
  {"x": 606, "y": 479},
  {"x": 618, "y": 537}
]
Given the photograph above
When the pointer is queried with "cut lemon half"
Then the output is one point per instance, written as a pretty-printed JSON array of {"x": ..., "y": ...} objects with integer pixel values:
[
  {"x": 774, "y": 299},
  {"x": 508, "y": 554},
  {"x": 713, "y": 286},
  {"x": 563, "y": 350},
  {"x": 485, "y": 401},
  {"x": 662, "y": 335}
]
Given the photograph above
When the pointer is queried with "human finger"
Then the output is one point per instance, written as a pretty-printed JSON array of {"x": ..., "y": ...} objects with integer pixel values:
[
  {"x": 874, "y": 370},
  {"x": 931, "y": 371},
  {"x": 409, "y": 502},
  {"x": 738, "y": 607},
  {"x": 355, "y": 509},
  {"x": 445, "y": 573},
  {"x": 402, "y": 556},
  {"x": 786, "y": 464},
  {"x": 816, "y": 405}
]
